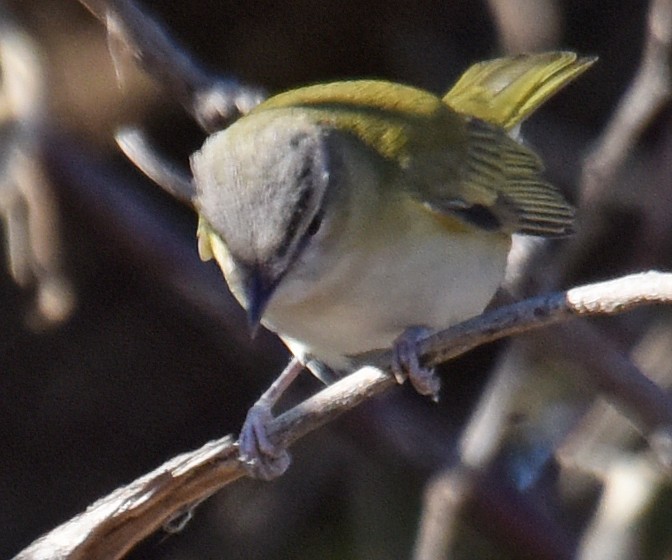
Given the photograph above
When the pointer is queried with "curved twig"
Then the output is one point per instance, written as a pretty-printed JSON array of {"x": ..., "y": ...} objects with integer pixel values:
[
  {"x": 113, "y": 525},
  {"x": 175, "y": 181},
  {"x": 211, "y": 99},
  {"x": 648, "y": 92}
]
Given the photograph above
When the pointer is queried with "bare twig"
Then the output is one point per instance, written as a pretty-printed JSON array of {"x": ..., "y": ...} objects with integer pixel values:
[
  {"x": 110, "y": 527},
  {"x": 448, "y": 491},
  {"x": 602, "y": 298},
  {"x": 211, "y": 99},
  {"x": 135, "y": 225},
  {"x": 519, "y": 28},
  {"x": 649, "y": 91},
  {"x": 164, "y": 173},
  {"x": 618, "y": 379},
  {"x": 445, "y": 496},
  {"x": 216, "y": 465},
  {"x": 631, "y": 484},
  {"x": 27, "y": 204}
]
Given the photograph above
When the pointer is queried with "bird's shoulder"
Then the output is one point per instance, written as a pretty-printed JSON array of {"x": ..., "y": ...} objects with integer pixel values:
[{"x": 395, "y": 120}]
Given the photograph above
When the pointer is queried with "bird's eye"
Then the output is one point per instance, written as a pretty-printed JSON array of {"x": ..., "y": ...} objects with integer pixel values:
[{"x": 314, "y": 226}]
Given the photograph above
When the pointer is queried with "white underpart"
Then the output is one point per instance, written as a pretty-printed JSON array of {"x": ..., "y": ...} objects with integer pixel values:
[{"x": 419, "y": 274}]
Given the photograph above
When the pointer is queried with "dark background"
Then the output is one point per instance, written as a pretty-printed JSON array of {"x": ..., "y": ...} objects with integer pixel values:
[{"x": 155, "y": 359}]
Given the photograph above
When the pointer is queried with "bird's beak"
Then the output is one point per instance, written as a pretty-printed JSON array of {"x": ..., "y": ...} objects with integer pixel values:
[{"x": 259, "y": 289}]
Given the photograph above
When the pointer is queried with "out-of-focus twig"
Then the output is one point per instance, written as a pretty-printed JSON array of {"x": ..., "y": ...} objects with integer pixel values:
[
  {"x": 27, "y": 205},
  {"x": 164, "y": 173},
  {"x": 211, "y": 99},
  {"x": 444, "y": 498},
  {"x": 525, "y": 26},
  {"x": 617, "y": 378},
  {"x": 649, "y": 91},
  {"x": 604, "y": 298},
  {"x": 604, "y": 446},
  {"x": 448, "y": 491},
  {"x": 630, "y": 485},
  {"x": 144, "y": 235},
  {"x": 603, "y": 425}
]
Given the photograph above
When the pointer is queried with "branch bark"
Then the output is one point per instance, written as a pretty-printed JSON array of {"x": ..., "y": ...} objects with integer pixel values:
[
  {"x": 112, "y": 526},
  {"x": 211, "y": 99},
  {"x": 648, "y": 92}
]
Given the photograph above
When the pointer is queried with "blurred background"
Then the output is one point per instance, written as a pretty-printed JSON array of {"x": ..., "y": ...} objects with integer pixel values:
[{"x": 120, "y": 349}]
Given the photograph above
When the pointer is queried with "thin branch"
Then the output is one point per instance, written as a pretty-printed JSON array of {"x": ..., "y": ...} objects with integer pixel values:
[
  {"x": 517, "y": 23},
  {"x": 211, "y": 99},
  {"x": 614, "y": 532},
  {"x": 444, "y": 498},
  {"x": 28, "y": 209},
  {"x": 649, "y": 91},
  {"x": 110, "y": 527},
  {"x": 602, "y": 298},
  {"x": 166, "y": 174},
  {"x": 115, "y": 524},
  {"x": 135, "y": 224},
  {"x": 448, "y": 491}
]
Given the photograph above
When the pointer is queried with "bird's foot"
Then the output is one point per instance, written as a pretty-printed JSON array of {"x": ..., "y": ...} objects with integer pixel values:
[
  {"x": 406, "y": 363},
  {"x": 261, "y": 457}
]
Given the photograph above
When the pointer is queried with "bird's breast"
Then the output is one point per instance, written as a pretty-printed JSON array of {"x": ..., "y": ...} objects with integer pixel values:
[{"x": 424, "y": 275}]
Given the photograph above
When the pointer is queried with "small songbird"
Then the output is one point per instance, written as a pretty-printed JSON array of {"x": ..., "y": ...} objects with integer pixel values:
[{"x": 346, "y": 216}]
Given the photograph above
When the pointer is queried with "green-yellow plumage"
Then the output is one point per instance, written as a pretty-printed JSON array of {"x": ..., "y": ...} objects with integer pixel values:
[
  {"x": 401, "y": 173},
  {"x": 455, "y": 152},
  {"x": 505, "y": 91},
  {"x": 345, "y": 214}
]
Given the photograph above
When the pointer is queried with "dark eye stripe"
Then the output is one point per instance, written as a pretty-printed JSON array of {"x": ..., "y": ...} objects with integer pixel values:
[
  {"x": 299, "y": 210},
  {"x": 314, "y": 226}
]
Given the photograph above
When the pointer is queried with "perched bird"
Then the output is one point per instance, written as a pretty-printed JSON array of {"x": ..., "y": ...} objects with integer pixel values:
[{"x": 347, "y": 216}]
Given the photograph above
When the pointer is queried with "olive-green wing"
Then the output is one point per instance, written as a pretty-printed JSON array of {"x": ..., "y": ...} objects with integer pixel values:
[
  {"x": 455, "y": 153},
  {"x": 501, "y": 186}
]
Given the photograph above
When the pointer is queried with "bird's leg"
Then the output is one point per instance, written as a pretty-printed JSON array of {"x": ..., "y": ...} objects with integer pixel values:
[
  {"x": 261, "y": 457},
  {"x": 406, "y": 363}
]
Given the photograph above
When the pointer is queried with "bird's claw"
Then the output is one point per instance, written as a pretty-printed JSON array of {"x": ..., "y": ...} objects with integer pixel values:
[
  {"x": 406, "y": 364},
  {"x": 261, "y": 457}
]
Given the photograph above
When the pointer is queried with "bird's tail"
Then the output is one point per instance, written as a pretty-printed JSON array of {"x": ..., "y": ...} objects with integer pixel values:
[{"x": 505, "y": 91}]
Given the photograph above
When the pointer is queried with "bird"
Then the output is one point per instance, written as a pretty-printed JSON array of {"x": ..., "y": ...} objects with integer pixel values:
[{"x": 354, "y": 216}]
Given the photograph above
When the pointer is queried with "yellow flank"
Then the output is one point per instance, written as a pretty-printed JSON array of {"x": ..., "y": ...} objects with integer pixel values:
[
  {"x": 203, "y": 233},
  {"x": 505, "y": 91},
  {"x": 453, "y": 224}
]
